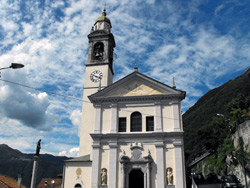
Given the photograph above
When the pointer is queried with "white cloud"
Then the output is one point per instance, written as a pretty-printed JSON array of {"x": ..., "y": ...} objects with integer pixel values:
[
  {"x": 75, "y": 118},
  {"x": 29, "y": 109},
  {"x": 73, "y": 152},
  {"x": 166, "y": 38}
]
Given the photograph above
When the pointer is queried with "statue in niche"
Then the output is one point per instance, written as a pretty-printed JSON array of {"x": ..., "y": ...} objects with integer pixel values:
[
  {"x": 104, "y": 176},
  {"x": 170, "y": 176}
]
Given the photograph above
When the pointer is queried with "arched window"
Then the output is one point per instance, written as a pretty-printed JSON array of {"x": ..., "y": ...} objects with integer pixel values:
[
  {"x": 78, "y": 186},
  {"x": 99, "y": 51},
  {"x": 136, "y": 122}
]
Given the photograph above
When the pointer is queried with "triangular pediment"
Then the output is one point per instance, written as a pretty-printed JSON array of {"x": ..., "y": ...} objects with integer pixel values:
[
  {"x": 135, "y": 88},
  {"x": 135, "y": 85}
]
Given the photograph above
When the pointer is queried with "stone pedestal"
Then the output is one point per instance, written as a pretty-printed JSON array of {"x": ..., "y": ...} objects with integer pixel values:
[
  {"x": 103, "y": 186},
  {"x": 170, "y": 186}
]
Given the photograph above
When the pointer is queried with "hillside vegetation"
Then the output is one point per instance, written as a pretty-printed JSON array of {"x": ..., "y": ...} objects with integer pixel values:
[
  {"x": 13, "y": 162},
  {"x": 211, "y": 122}
]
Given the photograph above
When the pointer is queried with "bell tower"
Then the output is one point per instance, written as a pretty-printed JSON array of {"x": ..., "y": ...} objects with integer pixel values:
[
  {"x": 100, "y": 54},
  {"x": 98, "y": 74}
]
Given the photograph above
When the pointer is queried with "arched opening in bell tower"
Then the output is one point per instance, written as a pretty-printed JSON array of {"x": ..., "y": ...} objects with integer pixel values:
[{"x": 98, "y": 51}]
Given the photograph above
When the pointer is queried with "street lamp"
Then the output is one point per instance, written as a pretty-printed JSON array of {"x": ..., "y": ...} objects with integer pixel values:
[{"x": 13, "y": 66}]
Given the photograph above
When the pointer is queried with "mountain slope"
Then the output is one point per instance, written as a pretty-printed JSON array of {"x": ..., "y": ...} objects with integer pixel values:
[
  {"x": 13, "y": 162},
  {"x": 201, "y": 114}
]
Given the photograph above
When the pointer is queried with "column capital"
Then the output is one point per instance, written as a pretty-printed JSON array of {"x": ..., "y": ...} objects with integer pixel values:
[
  {"x": 36, "y": 158},
  {"x": 96, "y": 144},
  {"x": 159, "y": 144},
  {"x": 113, "y": 144},
  {"x": 177, "y": 143},
  {"x": 114, "y": 105},
  {"x": 97, "y": 105},
  {"x": 157, "y": 102}
]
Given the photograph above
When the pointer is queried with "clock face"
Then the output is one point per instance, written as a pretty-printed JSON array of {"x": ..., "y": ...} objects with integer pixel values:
[{"x": 96, "y": 76}]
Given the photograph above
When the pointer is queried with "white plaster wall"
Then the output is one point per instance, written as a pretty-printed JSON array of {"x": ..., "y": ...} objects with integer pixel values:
[
  {"x": 71, "y": 178},
  {"x": 105, "y": 157},
  {"x": 106, "y": 120},
  {"x": 87, "y": 124},
  {"x": 168, "y": 122},
  {"x": 169, "y": 153},
  {"x": 88, "y": 110}
]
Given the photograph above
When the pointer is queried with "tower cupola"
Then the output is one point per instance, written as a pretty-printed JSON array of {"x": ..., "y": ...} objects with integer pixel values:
[{"x": 102, "y": 23}]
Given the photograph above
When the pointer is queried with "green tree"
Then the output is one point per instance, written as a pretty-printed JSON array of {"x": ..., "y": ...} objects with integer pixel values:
[{"x": 238, "y": 111}]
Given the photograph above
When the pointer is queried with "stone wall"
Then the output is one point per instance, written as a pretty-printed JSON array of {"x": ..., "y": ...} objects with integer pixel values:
[{"x": 244, "y": 132}]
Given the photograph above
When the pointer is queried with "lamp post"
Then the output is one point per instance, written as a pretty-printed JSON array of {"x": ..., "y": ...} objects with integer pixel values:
[{"x": 13, "y": 66}]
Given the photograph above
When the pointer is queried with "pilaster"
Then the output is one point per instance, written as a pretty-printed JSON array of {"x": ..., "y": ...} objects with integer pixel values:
[
  {"x": 114, "y": 118},
  {"x": 179, "y": 177},
  {"x": 98, "y": 118},
  {"x": 160, "y": 161},
  {"x": 158, "y": 117},
  {"x": 95, "y": 164},
  {"x": 113, "y": 164},
  {"x": 176, "y": 116}
]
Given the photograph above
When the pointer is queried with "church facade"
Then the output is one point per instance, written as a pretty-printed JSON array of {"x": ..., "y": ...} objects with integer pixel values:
[{"x": 131, "y": 134}]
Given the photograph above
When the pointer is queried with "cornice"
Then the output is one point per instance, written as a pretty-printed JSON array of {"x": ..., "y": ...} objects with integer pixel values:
[
  {"x": 157, "y": 136},
  {"x": 115, "y": 99}
]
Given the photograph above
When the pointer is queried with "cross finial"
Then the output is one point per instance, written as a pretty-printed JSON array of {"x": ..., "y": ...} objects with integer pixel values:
[
  {"x": 104, "y": 9},
  {"x": 135, "y": 67},
  {"x": 105, "y": 4}
]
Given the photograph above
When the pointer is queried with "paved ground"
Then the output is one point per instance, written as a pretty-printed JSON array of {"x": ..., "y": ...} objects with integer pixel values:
[{"x": 209, "y": 186}]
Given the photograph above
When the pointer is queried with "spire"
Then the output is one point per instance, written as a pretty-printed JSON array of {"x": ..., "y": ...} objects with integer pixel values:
[
  {"x": 104, "y": 10},
  {"x": 174, "y": 86}
]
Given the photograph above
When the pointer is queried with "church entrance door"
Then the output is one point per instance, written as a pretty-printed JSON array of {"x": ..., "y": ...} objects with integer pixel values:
[{"x": 136, "y": 179}]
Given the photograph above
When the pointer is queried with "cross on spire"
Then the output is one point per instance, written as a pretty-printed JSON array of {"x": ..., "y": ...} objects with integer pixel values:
[{"x": 105, "y": 4}]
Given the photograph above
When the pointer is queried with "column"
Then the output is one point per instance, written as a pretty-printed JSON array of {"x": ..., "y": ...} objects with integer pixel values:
[
  {"x": 114, "y": 118},
  {"x": 176, "y": 116},
  {"x": 145, "y": 179},
  {"x": 179, "y": 177},
  {"x": 160, "y": 162},
  {"x": 158, "y": 117},
  {"x": 34, "y": 172},
  {"x": 95, "y": 164},
  {"x": 148, "y": 175},
  {"x": 98, "y": 118},
  {"x": 123, "y": 175},
  {"x": 113, "y": 160}
]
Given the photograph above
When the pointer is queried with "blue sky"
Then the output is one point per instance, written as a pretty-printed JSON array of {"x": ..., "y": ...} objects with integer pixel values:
[{"x": 202, "y": 43}]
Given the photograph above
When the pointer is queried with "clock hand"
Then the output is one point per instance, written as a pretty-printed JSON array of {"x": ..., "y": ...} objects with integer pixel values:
[{"x": 97, "y": 76}]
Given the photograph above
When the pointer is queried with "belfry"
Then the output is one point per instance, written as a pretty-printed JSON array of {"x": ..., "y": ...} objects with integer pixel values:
[{"x": 131, "y": 132}]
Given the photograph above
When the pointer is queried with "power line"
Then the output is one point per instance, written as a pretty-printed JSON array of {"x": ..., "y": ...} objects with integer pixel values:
[
  {"x": 73, "y": 98},
  {"x": 65, "y": 96}
]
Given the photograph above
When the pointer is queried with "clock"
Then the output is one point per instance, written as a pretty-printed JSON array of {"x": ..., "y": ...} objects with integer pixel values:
[{"x": 96, "y": 76}]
